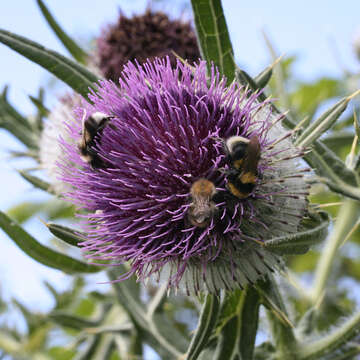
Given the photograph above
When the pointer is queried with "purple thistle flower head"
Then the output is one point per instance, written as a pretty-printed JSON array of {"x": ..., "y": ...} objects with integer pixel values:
[
  {"x": 141, "y": 37},
  {"x": 167, "y": 130}
]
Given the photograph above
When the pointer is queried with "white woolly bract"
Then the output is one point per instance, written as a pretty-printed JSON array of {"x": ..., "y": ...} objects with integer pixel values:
[{"x": 55, "y": 128}]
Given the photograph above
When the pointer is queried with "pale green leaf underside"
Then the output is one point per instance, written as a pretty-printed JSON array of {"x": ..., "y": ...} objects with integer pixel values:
[{"x": 40, "y": 253}]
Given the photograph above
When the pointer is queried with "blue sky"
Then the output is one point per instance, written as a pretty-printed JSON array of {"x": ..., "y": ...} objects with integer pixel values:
[{"x": 307, "y": 28}]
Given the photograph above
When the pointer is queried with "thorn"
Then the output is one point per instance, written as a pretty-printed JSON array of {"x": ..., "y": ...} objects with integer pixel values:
[
  {"x": 353, "y": 229},
  {"x": 43, "y": 221},
  {"x": 320, "y": 206},
  {"x": 357, "y": 92},
  {"x": 277, "y": 61},
  {"x": 301, "y": 123}
]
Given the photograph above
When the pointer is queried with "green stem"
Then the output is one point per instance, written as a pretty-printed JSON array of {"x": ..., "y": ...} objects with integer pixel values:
[
  {"x": 207, "y": 321},
  {"x": 331, "y": 342},
  {"x": 249, "y": 319},
  {"x": 284, "y": 338},
  {"x": 348, "y": 216},
  {"x": 282, "y": 332}
]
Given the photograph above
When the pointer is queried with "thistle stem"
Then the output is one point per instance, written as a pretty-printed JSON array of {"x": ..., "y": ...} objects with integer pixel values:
[
  {"x": 327, "y": 344},
  {"x": 282, "y": 333},
  {"x": 348, "y": 215},
  {"x": 285, "y": 341}
]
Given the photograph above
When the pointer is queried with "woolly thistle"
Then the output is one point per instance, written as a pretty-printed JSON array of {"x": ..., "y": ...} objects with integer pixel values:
[
  {"x": 152, "y": 34},
  {"x": 167, "y": 131}
]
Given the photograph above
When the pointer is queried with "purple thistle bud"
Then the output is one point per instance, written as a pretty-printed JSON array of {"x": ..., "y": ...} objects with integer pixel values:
[{"x": 167, "y": 131}]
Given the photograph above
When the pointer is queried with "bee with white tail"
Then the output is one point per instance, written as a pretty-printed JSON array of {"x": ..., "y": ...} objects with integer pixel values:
[{"x": 92, "y": 128}]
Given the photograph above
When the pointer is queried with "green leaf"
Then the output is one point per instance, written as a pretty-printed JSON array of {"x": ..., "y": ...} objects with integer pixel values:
[
  {"x": 53, "y": 209},
  {"x": 7, "y": 108},
  {"x": 249, "y": 318},
  {"x": 245, "y": 79},
  {"x": 35, "y": 181},
  {"x": 33, "y": 320},
  {"x": 348, "y": 352},
  {"x": 307, "y": 97},
  {"x": 42, "y": 111},
  {"x": 264, "y": 77},
  {"x": 68, "y": 298},
  {"x": 213, "y": 36},
  {"x": 104, "y": 348},
  {"x": 126, "y": 298},
  {"x": 272, "y": 299},
  {"x": 71, "y": 321},
  {"x": 75, "y": 75},
  {"x": 8, "y": 344},
  {"x": 51, "y": 289},
  {"x": 206, "y": 324},
  {"x": 312, "y": 231},
  {"x": 281, "y": 327},
  {"x": 70, "y": 236},
  {"x": 338, "y": 140},
  {"x": 126, "y": 328},
  {"x": 41, "y": 253},
  {"x": 74, "y": 49},
  {"x": 40, "y": 106},
  {"x": 265, "y": 351},
  {"x": 91, "y": 346},
  {"x": 239, "y": 317},
  {"x": 58, "y": 209},
  {"x": 61, "y": 353},
  {"x": 335, "y": 174},
  {"x": 16, "y": 124},
  {"x": 329, "y": 165},
  {"x": 307, "y": 323},
  {"x": 24, "y": 211},
  {"x": 229, "y": 307},
  {"x": 323, "y": 123},
  {"x": 157, "y": 301},
  {"x": 228, "y": 340},
  {"x": 149, "y": 329}
]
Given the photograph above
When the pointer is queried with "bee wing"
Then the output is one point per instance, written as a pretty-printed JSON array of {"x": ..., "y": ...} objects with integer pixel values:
[{"x": 252, "y": 157}]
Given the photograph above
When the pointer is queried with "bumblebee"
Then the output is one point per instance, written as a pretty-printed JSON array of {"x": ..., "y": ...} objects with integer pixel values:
[
  {"x": 243, "y": 156},
  {"x": 92, "y": 127},
  {"x": 202, "y": 207}
]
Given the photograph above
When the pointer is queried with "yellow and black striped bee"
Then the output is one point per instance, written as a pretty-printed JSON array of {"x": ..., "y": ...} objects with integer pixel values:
[
  {"x": 202, "y": 207},
  {"x": 92, "y": 127},
  {"x": 243, "y": 157}
]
